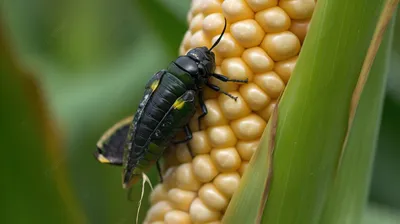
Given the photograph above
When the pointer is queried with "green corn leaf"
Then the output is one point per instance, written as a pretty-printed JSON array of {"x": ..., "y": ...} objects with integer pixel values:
[
  {"x": 312, "y": 125},
  {"x": 35, "y": 187}
]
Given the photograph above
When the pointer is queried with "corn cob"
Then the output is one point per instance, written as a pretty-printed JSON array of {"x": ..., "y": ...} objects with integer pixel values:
[{"x": 262, "y": 41}]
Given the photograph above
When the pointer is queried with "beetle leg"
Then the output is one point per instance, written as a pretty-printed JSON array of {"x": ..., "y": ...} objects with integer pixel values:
[
  {"x": 203, "y": 107},
  {"x": 216, "y": 88},
  {"x": 188, "y": 136},
  {"x": 226, "y": 79},
  {"x": 159, "y": 171}
]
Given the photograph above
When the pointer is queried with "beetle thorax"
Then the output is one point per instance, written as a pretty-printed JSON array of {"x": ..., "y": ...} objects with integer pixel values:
[{"x": 199, "y": 63}]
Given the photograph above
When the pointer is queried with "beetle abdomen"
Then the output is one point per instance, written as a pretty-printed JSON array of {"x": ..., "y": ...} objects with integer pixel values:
[{"x": 168, "y": 90}]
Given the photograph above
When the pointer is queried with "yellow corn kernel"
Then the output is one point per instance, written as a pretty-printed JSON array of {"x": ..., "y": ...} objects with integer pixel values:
[
  {"x": 285, "y": 68},
  {"x": 233, "y": 109},
  {"x": 256, "y": 98},
  {"x": 185, "y": 178},
  {"x": 200, "y": 143},
  {"x": 221, "y": 136},
  {"x": 181, "y": 199},
  {"x": 226, "y": 159},
  {"x": 227, "y": 183},
  {"x": 228, "y": 46},
  {"x": 246, "y": 149},
  {"x": 199, "y": 212},
  {"x": 211, "y": 197},
  {"x": 261, "y": 43},
  {"x": 248, "y": 128},
  {"x": 177, "y": 217},
  {"x": 182, "y": 153},
  {"x": 258, "y": 60},
  {"x": 300, "y": 28},
  {"x": 235, "y": 10},
  {"x": 204, "y": 168},
  {"x": 200, "y": 39},
  {"x": 281, "y": 46},
  {"x": 247, "y": 32},
  {"x": 258, "y": 5},
  {"x": 298, "y": 9},
  {"x": 273, "y": 20}
]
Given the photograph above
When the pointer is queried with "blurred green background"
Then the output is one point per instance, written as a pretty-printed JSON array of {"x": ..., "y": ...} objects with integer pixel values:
[{"x": 89, "y": 58}]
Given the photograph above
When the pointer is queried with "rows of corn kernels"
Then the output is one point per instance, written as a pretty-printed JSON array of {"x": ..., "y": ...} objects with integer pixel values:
[{"x": 261, "y": 43}]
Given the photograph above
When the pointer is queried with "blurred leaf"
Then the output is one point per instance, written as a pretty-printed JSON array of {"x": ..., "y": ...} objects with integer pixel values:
[
  {"x": 377, "y": 214},
  {"x": 35, "y": 184},
  {"x": 88, "y": 103},
  {"x": 386, "y": 181},
  {"x": 168, "y": 27}
]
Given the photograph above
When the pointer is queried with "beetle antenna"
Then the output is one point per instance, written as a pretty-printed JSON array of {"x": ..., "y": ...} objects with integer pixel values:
[{"x": 219, "y": 38}]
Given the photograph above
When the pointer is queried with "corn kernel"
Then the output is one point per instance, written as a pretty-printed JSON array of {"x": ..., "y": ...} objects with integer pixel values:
[
  {"x": 158, "y": 194},
  {"x": 228, "y": 46},
  {"x": 266, "y": 112},
  {"x": 254, "y": 96},
  {"x": 271, "y": 83},
  {"x": 181, "y": 199},
  {"x": 218, "y": 58},
  {"x": 182, "y": 153},
  {"x": 170, "y": 177},
  {"x": 213, "y": 24},
  {"x": 200, "y": 143},
  {"x": 185, "y": 178},
  {"x": 300, "y": 28},
  {"x": 214, "y": 116},
  {"x": 211, "y": 197},
  {"x": 281, "y": 46},
  {"x": 257, "y": 60},
  {"x": 204, "y": 168},
  {"x": 298, "y": 9},
  {"x": 186, "y": 40},
  {"x": 243, "y": 167},
  {"x": 273, "y": 20},
  {"x": 197, "y": 23},
  {"x": 196, "y": 7},
  {"x": 246, "y": 149},
  {"x": 199, "y": 39},
  {"x": 235, "y": 68},
  {"x": 285, "y": 68},
  {"x": 226, "y": 159},
  {"x": 189, "y": 16},
  {"x": 177, "y": 217},
  {"x": 199, "y": 212},
  {"x": 157, "y": 211},
  {"x": 211, "y": 6},
  {"x": 258, "y": 5},
  {"x": 233, "y": 109},
  {"x": 248, "y": 128},
  {"x": 227, "y": 183},
  {"x": 247, "y": 32},
  {"x": 182, "y": 50},
  {"x": 221, "y": 136},
  {"x": 235, "y": 10}
]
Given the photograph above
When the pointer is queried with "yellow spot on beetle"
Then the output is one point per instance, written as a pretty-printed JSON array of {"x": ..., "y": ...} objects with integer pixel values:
[
  {"x": 102, "y": 159},
  {"x": 178, "y": 104},
  {"x": 154, "y": 85}
]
